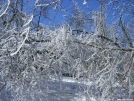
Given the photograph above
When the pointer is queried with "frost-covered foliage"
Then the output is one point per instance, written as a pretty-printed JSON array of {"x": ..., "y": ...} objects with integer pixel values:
[
  {"x": 32, "y": 61},
  {"x": 29, "y": 62}
]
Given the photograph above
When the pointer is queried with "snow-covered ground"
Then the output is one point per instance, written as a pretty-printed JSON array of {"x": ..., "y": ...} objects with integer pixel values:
[{"x": 69, "y": 89}]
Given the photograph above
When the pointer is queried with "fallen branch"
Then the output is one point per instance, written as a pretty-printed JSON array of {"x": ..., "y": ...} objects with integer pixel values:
[{"x": 103, "y": 48}]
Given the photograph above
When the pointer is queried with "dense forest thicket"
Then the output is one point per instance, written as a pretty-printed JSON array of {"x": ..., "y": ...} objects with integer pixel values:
[{"x": 85, "y": 47}]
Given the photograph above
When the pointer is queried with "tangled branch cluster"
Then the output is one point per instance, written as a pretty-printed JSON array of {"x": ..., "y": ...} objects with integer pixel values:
[{"x": 29, "y": 59}]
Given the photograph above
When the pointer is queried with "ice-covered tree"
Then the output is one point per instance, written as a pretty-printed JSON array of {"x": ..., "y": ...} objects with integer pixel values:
[{"x": 33, "y": 55}]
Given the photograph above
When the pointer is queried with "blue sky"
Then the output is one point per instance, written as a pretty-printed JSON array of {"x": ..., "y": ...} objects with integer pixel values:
[
  {"x": 66, "y": 5},
  {"x": 56, "y": 16},
  {"x": 91, "y": 5}
]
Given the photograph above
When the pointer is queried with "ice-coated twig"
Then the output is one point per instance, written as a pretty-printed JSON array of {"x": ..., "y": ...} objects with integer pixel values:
[
  {"x": 28, "y": 22},
  {"x": 47, "y": 4},
  {"x": 23, "y": 42},
  {"x": 5, "y": 9}
]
